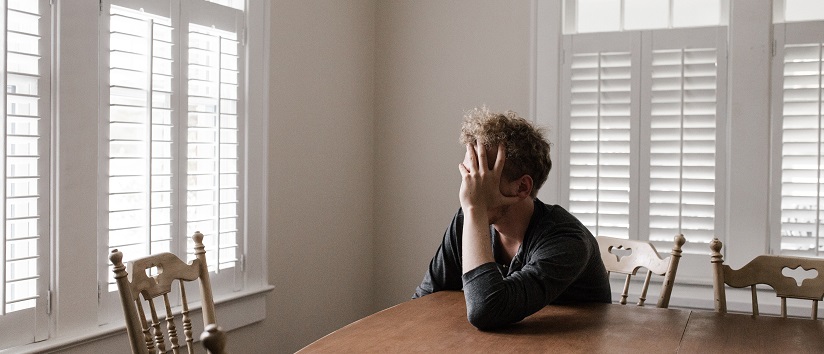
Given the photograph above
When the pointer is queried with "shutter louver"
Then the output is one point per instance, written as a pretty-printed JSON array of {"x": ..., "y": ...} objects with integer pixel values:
[
  {"x": 682, "y": 145},
  {"x": 801, "y": 145},
  {"x": 600, "y": 122}
]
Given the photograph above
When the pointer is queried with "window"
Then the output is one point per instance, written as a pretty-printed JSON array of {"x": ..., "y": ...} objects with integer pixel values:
[
  {"x": 25, "y": 170},
  {"x": 129, "y": 129},
  {"x": 673, "y": 90},
  {"x": 641, "y": 122},
  {"x": 586, "y": 16},
  {"x": 798, "y": 10},
  {"x": 174, "y": 149},
  {"x": 238, "y": 4}
]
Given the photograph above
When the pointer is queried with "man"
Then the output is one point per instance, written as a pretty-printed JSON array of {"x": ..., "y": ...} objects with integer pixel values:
[{"x": 509, "y": 252}]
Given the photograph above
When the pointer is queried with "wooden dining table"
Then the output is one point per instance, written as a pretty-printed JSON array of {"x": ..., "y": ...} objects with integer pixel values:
[{"x": 437, "y": 323}]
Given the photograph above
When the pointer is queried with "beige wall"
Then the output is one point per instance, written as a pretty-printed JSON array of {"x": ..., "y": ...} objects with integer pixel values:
[
  {"x": 435, "y": 59},
  {"x": 320, "y": 172}
]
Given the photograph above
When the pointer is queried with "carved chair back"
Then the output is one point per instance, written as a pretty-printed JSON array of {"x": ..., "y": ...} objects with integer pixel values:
[
  {"x": 769, "y": 270},
  {"x": 133, "y": 282},
  {"x": 627, "y": 256}
]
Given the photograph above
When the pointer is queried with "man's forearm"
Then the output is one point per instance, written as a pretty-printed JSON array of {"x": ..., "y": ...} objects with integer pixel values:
[{"x": 476, "y": 243}]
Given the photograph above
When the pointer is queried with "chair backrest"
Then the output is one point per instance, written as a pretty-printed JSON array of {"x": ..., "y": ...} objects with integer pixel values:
[
  {"x": 768, "y": 270},
  {"x": 627, "y": 256},
  {"x": 146, "y": 335}
]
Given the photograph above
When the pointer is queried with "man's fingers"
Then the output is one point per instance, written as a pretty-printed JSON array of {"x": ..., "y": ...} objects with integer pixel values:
[
  {"x": 499, "y": 161},
  {"x": 471, "y": 158},
  {"x": 482, "y": 157}
]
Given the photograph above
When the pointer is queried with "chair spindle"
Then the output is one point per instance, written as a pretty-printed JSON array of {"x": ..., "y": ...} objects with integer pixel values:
[
  {"x": 158, "y": 333},
  {"x": 644, "y": 289},
  {"x": 626, "y": 290},
  {"x": 144, "y": 324},
  {"x": 187, "y": 322},
  {"x": 170, "y": 325}
]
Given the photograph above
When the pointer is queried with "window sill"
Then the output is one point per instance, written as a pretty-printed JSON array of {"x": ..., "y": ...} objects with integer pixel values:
[{"x": 233, "y": 311}]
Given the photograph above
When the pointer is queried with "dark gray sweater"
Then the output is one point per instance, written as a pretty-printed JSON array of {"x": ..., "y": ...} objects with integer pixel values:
[{"x": 558, "y": 262}]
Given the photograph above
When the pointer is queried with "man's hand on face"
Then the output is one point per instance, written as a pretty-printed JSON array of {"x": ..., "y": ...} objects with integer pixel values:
[{"x": 480, "y": 186}]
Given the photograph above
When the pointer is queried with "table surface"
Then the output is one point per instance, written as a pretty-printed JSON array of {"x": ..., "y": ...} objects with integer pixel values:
[
  {"x": 437, "y": 323},
  {"x": 710, "y": 332}
]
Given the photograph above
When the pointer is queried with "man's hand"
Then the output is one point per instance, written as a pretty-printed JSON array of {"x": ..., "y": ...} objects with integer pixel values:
[{"x": 480, "y": 186}]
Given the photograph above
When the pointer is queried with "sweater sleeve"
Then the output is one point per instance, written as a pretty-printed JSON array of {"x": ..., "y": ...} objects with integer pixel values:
[
  {"x": 444, "y": 271},
  {"x": 493, "y": 300}
]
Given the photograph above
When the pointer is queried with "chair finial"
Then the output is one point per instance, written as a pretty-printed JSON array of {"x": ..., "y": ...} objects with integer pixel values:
[
  {"x": 116, "y": 257},
  {"x": 680, "y": 240},
  {"x": 197, "y": 237},
  {"x": 199, "y": 247},
  {"x": 715, "y": 246},
  {"x": 715, "y": 255}
]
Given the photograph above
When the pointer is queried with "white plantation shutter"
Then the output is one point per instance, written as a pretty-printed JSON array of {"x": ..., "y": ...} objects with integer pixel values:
[
  {"x": 175, "y": 116},
  {"x": 24, "y": 250},
  {"x": 798, "y": 126},
  {"x": 601, "y": 122},
  {"x": 140, "y": 130},
  {"x": 642, "y": 121},
  {"x": 681, "y": 114},
  {"x": 213, "y": 142}
]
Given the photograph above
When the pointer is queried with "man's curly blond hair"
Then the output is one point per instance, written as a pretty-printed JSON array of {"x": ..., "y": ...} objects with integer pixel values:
[{"x": 527, "y": 151}]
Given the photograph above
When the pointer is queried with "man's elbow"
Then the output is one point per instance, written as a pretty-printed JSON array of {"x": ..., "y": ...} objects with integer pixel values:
[{"x": 483, "y": 318}]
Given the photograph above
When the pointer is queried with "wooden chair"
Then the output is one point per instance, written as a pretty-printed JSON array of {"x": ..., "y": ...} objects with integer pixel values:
[
  {"x": 767, "y": 269},
  {"x": 133, "y": 281},
  {"x": 627, "y": 256}
]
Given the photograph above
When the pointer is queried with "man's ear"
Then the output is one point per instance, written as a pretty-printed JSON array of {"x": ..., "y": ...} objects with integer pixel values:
[{"x": 525, "y": 185}]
